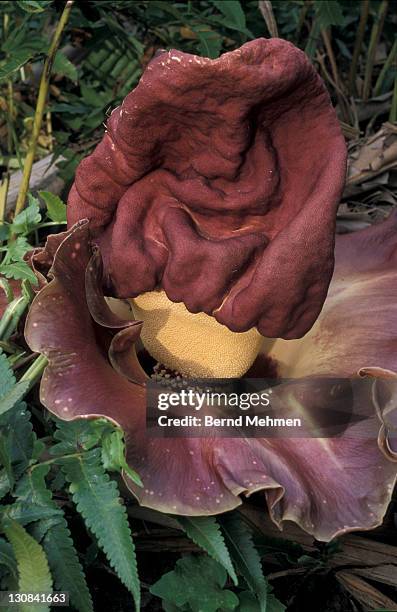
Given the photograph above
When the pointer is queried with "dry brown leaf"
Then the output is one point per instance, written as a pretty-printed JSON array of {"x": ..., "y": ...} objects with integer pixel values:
[
  {"x": 373, "y": 156},
  {"x": 365, "y": 593}
]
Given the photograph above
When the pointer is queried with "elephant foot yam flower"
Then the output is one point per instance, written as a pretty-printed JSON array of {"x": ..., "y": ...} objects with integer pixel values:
[
  {"x": 216, "y": 186},
  {"x": 326, "y": 485}
]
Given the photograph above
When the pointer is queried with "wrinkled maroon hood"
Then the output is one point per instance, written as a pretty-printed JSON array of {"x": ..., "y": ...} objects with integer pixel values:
[{"x": 218, "y": 180}]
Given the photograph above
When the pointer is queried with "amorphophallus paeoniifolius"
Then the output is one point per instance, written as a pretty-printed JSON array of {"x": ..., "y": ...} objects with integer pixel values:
[
  {"x": 327, "y": 486},
  {"x": 216, "y": 186}
]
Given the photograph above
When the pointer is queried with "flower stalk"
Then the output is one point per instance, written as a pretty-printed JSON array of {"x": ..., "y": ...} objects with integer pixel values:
[
  {"x": 373, "y": 44},
  {"x": 35, "y": 371},
  {"x": 40, "y": 106}
]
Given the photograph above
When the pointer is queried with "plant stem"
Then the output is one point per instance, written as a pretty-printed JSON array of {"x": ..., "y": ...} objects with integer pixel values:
[
  {"x": 6, "y": 287},
  {"x": 328, "y": 47},
  {"x": 47, "y": 224},
  {"x": 358, "y": 44},
  {"x": 41, "y": 101},
  {"x": 55, "y": 460},
  {"x": 386, "y": 66},
  {"x": 10, "y": 116},
  {"x": 301, "y": 21},
  {"x": 393, "y": 110},
  {"x": 11, "y": 317},
  {"x": 373, "y": 43},
  {"x": 35, "y": 371},
  {"x": 3, "y": 195},
  {"x": 265, "y": 7}
]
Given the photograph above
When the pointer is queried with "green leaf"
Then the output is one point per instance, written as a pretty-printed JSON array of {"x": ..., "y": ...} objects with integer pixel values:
[
  {"x": 245, "y": 556},
  {"x": 14, "y": 63},
  {"x": 33, "y": 570},
  {"x": 97, "y": 500},
  {"x": 113, "y": 455},
  {"x": 32, "y": 487},
  {"x": 28, "y": 219},
  {"x": 7, "y": 378},
  {"x": 66, "y": 568},
  {"x": 64, "y": 67},
  {"x": 12, "y": 316},
  {"x": 56, "y": 209},
  {"x": 197, "y": 582},
  {"x": 33, "y": 6},
  {"x": 5, "y": 484},
  {"x": 16, "y": 437},
  {"x": 4, "y": 231},
  {"x": 205, "y": 532},
  {"x": 55, "y": 538},
  {"x": 8, "y": 290},
  {"x": 14, "y": 396},
  {"x": 7, "y": 557},
  {"x": 210, "y": 42},
  {"x": 249, "y": 603},
  {"x": 16, "y": 441},
  {"x": 328, "y": 13},
  {"x": 16, "y": 249},
  {"x": 82, "y": 434},
  {"x": 233, "y": 12},
  {"x": 25, "y": 513},
  {"x": 19, "y": 270}
]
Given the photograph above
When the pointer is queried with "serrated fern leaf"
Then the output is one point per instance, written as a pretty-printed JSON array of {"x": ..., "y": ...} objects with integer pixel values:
[
  {"x": 245, "y": 556},
  {"x": 33, "y": 570},
  {"x": 7, "y": 557},
  {"x": 16, "y": 441},
  {"x": 7, "y": 379},
  {"x": 13, "y": 396},
  {"x": 26, "y": 513},
  {"x": 55, "y": 538},
  {"x": 328, "y": 12},
  {"x": 32, "y": 487},
  {"x": 65, "y": 565},
  {"x": 206, "y": 533},
  {"x": 97, "y": 500}
]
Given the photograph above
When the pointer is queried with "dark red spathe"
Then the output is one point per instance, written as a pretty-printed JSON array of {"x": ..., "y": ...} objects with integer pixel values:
[{"x": 218, "y": 180}]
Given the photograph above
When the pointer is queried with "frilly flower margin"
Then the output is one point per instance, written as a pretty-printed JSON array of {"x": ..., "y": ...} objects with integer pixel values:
[{"x": 327, "y": 486}]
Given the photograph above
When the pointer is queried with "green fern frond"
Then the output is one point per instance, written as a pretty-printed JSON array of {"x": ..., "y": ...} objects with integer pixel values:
[
  {"x": 54, "y": 535},
  {"x": 32, "y": 564},
  {"x": 206, "y": 533},
  {"x": 65, "y": 565},
  {"x": 245, "y": 556},
  {"x": 7, "y": 378},
  {"x": 97, "y": 500}
]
